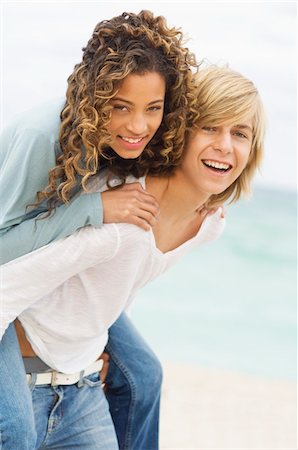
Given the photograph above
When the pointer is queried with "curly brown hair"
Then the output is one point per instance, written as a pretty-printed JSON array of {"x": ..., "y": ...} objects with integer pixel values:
[{"x": 126, "y": 44}]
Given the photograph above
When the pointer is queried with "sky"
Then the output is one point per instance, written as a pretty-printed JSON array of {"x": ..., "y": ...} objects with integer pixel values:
[{"x": 42, "y": 41}]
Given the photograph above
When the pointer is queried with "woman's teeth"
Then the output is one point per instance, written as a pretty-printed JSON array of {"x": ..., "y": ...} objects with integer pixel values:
[{"x": 130, "y": 140}]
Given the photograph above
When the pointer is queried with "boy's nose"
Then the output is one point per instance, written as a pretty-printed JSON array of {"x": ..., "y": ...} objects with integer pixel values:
[{"x": 224, "y": 142}]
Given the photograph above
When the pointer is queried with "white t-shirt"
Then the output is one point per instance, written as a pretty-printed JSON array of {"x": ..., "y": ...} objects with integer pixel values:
[{"x": 68, "y": 293}]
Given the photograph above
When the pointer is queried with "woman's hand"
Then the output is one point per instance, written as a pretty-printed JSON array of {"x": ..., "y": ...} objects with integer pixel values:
[
  {"x": 130, "y": 204},
  {"x": 209, "y": 211}
]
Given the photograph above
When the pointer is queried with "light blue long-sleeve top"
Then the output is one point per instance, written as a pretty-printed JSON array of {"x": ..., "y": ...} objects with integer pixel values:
[{"x": 27, "y": 152}]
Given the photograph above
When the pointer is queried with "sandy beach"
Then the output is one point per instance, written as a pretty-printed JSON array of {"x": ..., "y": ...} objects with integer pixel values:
[{"x": 214, "y": 409}]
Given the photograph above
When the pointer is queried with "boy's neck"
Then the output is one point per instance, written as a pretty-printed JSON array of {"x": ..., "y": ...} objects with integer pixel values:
[
  {"x": 176, "y": 198},
  {"x": 179, "y": 219}
]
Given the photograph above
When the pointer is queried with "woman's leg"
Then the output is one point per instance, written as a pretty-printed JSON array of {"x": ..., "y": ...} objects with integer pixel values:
[
  {"x": 17, "y": 429},
  {"x": 133, "y": 387}
]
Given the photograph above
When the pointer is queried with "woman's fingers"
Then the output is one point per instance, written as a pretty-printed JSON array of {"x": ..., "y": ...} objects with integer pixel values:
[
  {"x": 142, "y": 218},
  {"x": 130, "y": 204}
]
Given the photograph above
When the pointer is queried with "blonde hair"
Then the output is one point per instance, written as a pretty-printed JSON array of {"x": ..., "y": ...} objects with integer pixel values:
[
  {"x": 226, "y": 96},
  {"x": 126, "y": 44}
]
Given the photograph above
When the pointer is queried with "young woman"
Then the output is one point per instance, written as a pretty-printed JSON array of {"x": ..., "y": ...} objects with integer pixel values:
[
  {"x": 126, "y": 101},
  {"x": 101, "y": 269}
]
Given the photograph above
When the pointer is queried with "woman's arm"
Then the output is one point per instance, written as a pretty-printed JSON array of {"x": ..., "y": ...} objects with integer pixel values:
[
  {"x": 129, "y": 204},
  {"x": 26, "y": 157},
  {"x": 37, "y": 231}
]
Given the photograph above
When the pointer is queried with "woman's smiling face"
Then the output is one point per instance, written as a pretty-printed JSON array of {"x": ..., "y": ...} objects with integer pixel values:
[{"x": 137, "y": 112}]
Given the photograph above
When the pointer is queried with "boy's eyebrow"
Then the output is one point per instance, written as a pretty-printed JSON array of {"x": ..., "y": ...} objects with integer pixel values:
[
  {"x": 131, "y": 103},
  {"x": 245, "y": 127}
]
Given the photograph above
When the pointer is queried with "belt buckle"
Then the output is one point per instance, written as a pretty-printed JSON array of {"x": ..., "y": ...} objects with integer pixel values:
[{"x": 58, "y": 378}]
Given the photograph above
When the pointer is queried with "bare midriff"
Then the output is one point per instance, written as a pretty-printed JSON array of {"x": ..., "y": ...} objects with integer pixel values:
[{"x": 24, "y": 344}]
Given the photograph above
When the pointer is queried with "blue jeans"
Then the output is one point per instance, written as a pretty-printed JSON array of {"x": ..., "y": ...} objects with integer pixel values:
[
  {"x": 73, "y": 417},
  {"x": 17, "y": 428},
  {"x": 134, "y": 410},
  {"x": 134, "y": 384}
]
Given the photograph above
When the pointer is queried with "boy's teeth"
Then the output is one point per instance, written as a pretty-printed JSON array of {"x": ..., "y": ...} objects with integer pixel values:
[
  {"x": 130, "y": 140},
  {"x": 217, "y": 165}
]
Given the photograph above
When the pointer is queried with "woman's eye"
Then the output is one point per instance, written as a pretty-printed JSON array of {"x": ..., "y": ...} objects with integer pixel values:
[
  {"x": 154, "y": 108},
  {"x": 120, "y": 107}
]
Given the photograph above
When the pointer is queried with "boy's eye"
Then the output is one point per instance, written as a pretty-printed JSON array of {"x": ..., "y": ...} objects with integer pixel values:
[
  {"x": 206, "y": 128},
  {"x": 240, "y": 134}
]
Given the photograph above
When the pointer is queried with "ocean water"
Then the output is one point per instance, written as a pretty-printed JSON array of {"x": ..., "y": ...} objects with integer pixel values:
[{"x": 231, "y": 304}]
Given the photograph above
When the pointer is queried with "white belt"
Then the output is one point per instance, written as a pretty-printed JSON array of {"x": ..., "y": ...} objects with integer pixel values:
[{"x": 58, "y": 378}]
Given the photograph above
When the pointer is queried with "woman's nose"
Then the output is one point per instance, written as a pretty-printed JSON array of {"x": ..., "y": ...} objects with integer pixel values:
[{"x": 137, "y": 124}]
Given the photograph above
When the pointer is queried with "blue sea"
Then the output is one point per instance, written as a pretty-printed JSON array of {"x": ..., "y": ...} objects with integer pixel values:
[{"x": 231, "y": 304}]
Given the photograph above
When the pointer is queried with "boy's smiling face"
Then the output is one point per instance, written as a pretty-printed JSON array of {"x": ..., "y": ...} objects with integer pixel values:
[{"x": 215, "y": 156}]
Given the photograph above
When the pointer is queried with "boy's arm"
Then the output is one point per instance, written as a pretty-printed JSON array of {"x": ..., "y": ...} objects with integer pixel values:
[{"x": 31, "y": 277}]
